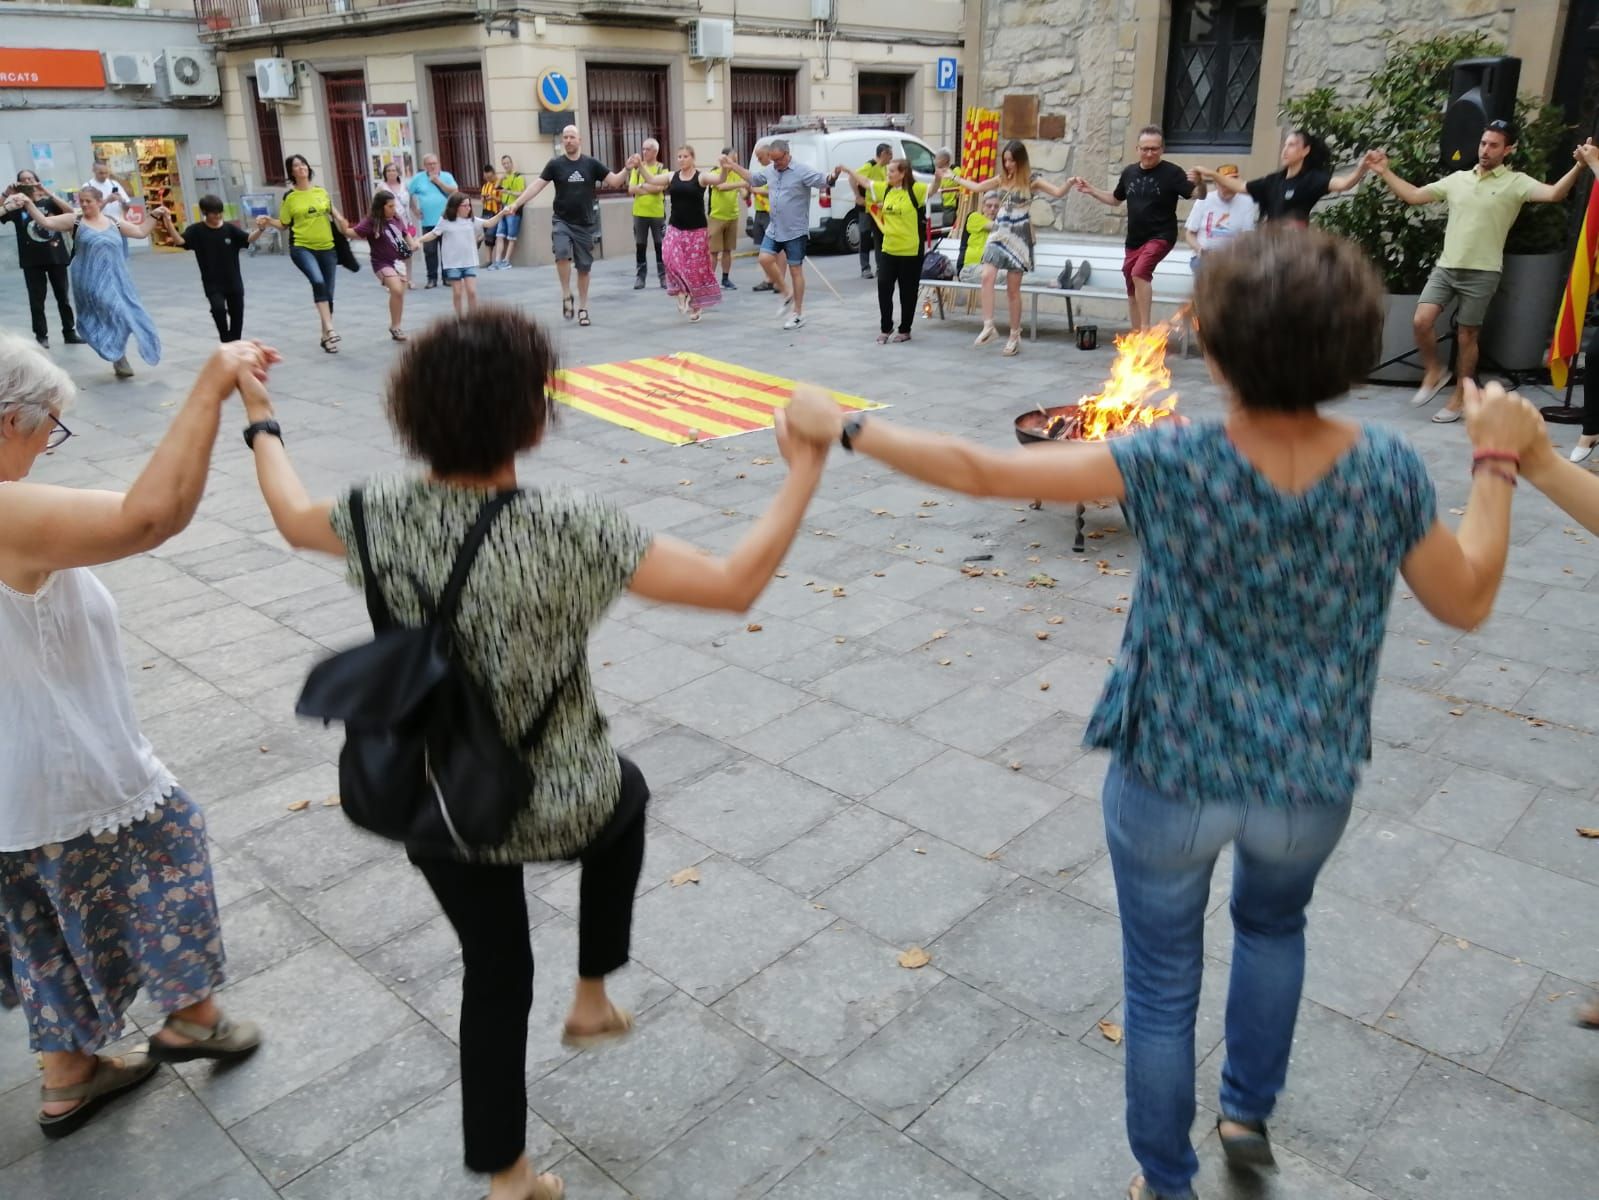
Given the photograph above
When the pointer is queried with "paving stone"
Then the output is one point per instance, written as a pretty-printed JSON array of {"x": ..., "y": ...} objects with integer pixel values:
[
  {"x": 1294, "y": 1178},
  {"x": 904, "y": 580},
  {"x": 420, "y": 957},
  {"x": 657, "y": 671},
  {"x": 1075, "y": 682},
  {"x": 772, "y": 639},
  {"x": 1551, "y": 644},
  {"x": 624, "y": 1106},
  {"x": 1383, "y": 861},
  {"x": 1398, "y": 781},
  {"x": 870, "y": 1161},
  {"x": 1060, "y": 846},
  {"x": 1547, "y": 835},
  {"x": 937, "y": 796},
  {"x": 1462, "y": 1003},
  {"x": 1405, "y": 716},
  {"x": 1546, "y": 755},
  {"x": 1548, "y": 1055},
  {"x": 677, "y": 754},
  {"x": 1003, "y": 1121},
  {"x": 891, "y": 689},
  {"x": 1489, "y": 679},
  {"x": 914, "y": 891},
  {"x": 1046, "y": 751},
  {"x": 709, "y": 937},
  {"x": 1048, "y": 955},
  {"x": 368, "y": 907},
  {"x": 981, "y": 719},
  {"x": 826, "y": 853},
  {"x": 863, "y": 758},
  {"x": 241, "y": 1183},
  {"x": 914, "y": 1059},
  {"x": 1475, "y": 806},
  {"x": 260, "y": 932},
  {"x": 1454, "y": 1133},
  {"x": 778, "y": 741},
  {"x": 311, "y": 850},
  {"x": 729, "y": 702},
  {"x": 747, "y": 809},
  {"x": 1520, "y": 910}
]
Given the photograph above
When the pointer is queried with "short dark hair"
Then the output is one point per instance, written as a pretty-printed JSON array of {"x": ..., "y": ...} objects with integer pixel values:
[
  {"x": 489, "y": 168},
  {"x": 467, "y": 396},
  {"x": 881, "y": 146},
  {"x": 1505, "y": 129},
  {"x": 1290, "y": 316},
  {"x": 452, "y": 206},
  {"x": 288, "y": 167},
  {"x": 211, "y": 204}
]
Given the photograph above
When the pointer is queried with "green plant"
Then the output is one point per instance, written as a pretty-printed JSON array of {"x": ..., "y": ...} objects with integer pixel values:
[{"x": 1403, "y": 114}]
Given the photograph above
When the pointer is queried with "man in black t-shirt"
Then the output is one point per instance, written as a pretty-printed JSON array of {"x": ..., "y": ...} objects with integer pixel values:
[
  {"x": 1150, "y": 188},
  {"x": 575, "y": 176},
  {"x": 43, "y": 256},
  {"x": 215, "y": 244}
]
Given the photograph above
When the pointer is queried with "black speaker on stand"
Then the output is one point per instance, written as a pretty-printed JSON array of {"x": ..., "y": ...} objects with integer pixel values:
[{"x": 1480, "y": 90}]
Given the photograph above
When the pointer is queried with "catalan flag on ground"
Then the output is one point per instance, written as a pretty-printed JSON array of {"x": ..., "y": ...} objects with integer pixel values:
[{"x": 1574, "y": 304}]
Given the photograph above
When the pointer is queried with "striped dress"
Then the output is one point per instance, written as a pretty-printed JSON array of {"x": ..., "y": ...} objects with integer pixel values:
[{"x": 1010, "y": 238}]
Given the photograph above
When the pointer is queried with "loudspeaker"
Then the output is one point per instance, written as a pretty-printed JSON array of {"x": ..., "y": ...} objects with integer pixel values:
[{"x": 1480, "y": 90}]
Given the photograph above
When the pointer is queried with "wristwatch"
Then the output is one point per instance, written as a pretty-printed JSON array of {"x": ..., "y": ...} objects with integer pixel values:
[
  {"x": 851, "y": 431},
  {"x": 256, "y": 427}
]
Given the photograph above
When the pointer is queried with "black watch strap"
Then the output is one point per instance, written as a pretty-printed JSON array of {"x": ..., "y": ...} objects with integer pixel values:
[
  {"x": 850, "y": 431},
  {"x": 256, "y": 427}
]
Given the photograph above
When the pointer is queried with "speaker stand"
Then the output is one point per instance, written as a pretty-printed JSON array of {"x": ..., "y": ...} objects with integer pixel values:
[{"x": 1563, "y": 413}]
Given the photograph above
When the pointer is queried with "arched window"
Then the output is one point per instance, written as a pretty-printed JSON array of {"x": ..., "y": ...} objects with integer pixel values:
[{"x": 1213, "y": 72}]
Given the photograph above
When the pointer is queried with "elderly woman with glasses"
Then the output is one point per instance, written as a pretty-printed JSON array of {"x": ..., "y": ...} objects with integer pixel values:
[{"x": 105, "y": 881}]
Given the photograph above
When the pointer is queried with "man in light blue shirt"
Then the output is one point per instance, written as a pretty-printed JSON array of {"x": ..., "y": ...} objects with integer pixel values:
[
  {"x": 430, "y": 188},
  {"x": 789, "y": 185}
]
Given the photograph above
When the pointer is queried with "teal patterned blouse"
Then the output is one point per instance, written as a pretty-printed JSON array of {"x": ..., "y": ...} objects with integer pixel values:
[{"x": 1249, "y": 659}]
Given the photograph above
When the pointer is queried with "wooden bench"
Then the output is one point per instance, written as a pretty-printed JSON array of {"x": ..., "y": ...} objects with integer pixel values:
[{"x": 1173, "y": 281}]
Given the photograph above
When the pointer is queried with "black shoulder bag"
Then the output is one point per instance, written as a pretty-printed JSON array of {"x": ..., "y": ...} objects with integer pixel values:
[{"x": 424, "y": 761}]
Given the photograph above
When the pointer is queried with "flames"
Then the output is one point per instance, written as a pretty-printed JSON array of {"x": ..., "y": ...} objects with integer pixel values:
[{"x": 1123, "y": 403}]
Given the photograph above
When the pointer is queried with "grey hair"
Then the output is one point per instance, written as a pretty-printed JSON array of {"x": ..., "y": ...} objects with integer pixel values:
[
  {"x": 945, "y": 152},
  {"x": 763, "y": 144},
  {"x": 651, "y": 142},
  {"x": 31, "y": 382},
  {"x": 777, "y": 146}
]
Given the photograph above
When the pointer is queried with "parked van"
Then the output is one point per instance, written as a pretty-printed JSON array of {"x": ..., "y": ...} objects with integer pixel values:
[{"x": 828, "y": 142}]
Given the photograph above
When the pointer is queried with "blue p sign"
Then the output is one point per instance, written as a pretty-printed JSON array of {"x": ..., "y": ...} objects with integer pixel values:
[
  {"x": 554, "y": 91},
  {"x": 946, "y": 75}
]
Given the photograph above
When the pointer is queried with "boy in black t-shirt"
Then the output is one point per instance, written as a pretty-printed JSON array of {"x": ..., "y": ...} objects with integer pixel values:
[
  {"x": 1150, "y": 188},
  {"x": 215, "y": 244}
]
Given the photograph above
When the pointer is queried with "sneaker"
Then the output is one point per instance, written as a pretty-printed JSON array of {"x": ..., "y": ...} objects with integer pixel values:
[
  {"x": 638, "y": 284},
  {"x": 71, "y": 338},
  {"x": 1079, "y": 277},
  {"x": 728, "y": 285},
  {"x": 794, "y": 321},
  {"x": 788, "y": 298},
  {"x": 122, "y": 367},
  {"x": 43, "y": 339},
  {"x": 867, "y": 274},
  {"x": 764, "y": 287}
]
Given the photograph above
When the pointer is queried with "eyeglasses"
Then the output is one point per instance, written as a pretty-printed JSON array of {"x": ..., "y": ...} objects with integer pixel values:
[{"x": 58, "y": 435}]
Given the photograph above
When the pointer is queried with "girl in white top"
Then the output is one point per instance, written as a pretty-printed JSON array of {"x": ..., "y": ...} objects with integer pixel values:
[
  {"x": 92, "y": 825},
  {"x": 457, "y": 233}
]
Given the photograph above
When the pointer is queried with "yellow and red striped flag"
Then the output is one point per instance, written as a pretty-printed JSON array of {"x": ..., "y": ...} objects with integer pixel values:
[{"x": 1574, "y": 304}]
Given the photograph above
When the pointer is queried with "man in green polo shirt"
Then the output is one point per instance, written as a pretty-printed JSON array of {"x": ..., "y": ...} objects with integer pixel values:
[
  {"x": 871, "y": 236},
  {"x": 649, "y": 212},
  {"x": 1483, "y": 204}
]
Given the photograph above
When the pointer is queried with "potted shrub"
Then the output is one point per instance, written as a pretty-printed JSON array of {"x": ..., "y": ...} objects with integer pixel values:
[{"x": 1403, "y": 114}]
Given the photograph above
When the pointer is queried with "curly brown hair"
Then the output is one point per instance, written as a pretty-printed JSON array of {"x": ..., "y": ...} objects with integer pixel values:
[
  {"x": 1290, "y": 316},
  {"x": 467, "y": 396}
]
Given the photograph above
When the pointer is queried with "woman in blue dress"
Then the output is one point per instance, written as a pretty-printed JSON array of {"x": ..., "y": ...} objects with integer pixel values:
[{"x": 109, "y": 311}]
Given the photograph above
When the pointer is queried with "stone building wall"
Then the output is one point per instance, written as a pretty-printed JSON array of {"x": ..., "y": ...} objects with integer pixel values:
[{"x": 1340, "y": 42}]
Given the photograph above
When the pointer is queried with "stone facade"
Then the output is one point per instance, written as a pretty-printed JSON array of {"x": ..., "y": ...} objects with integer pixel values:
[{"x": 1340, "y": 42}]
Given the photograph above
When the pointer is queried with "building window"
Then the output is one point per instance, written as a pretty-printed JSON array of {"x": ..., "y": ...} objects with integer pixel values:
[
  {"x": 461, "y": 123},
  {"x": 345, "y": 95},
  {"x": 1214, "y": 72},
  {"x": 760, "y": 98},
  {"x": 877, "y": 93},
  {"x": 626, "y": 105},
  {"x": 268, "y": 141}
]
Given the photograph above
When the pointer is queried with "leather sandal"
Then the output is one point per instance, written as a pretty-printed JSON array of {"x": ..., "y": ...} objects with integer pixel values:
[
  {"x": 583, "y": 317},
  {"x": 568, "y": 305},
  {"x": 619, "y": 1027},
  {"x": 226, "y": 1041},
  {"x": 1252, "y": 1149},
  {"x": 108, "y": 1081},
  {"x": 555, "y": 1190}
]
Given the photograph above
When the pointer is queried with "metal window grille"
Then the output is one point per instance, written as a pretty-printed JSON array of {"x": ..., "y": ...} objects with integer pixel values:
[
  {"x": 759, "y": 99},
  {"x": 346, "y": 98},
  {"x": 626, "y": 104},
  {"x": 268, "y": 140},
  {"x": 1213, "y": 74},
  {"x": 880, "y": 93},
  {"x": 462, "y": 122}
]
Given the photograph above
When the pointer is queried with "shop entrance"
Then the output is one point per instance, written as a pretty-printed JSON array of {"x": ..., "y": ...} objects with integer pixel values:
[
  {"x": 346, "y": 97},
  {"x": 152, "y": 170}
]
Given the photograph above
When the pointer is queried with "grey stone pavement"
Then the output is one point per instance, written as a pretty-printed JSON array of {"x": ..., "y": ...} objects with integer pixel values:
[{"x": 895, "y": 765}]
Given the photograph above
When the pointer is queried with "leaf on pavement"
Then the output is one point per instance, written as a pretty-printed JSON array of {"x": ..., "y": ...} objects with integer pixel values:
[
  {"x": 761, "y": 462},
  {"x": 1111, "y": 1032},
  {"x": 331, "y": 801},
  {"x": 299, "y": 805},
  {"x": 914, "y": 958},
  {"x": 1587, "y": 832},
  {"x": 753, "y": 627},
  {"x": 1057, "y": 620},
  {"x": 686, "y": 875}
]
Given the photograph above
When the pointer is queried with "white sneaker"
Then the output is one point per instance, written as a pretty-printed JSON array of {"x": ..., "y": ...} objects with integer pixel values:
[
  {"x": 788, "y": 298},
  {"x": 794, "y": 321},
  {"x": 1581, "y": 453},
  {"x": 1447, "y": 416}
]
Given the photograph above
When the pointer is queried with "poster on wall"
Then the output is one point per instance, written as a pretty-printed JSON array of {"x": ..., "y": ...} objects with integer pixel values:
[
  {"x": 56, "y": 165},
  {"x": 389, "y": 138}
]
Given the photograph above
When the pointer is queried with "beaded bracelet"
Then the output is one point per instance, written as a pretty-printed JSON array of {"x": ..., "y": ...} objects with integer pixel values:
[{"x": 1496, "y": 456}]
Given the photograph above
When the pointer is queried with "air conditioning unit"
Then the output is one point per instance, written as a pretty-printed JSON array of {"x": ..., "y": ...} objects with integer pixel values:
[
  {"x": 191, "y": 72},
  {"x": 274, "y": 79},
  {"x": 710, "y": 39},
  {"x": 126, "y": 69}
]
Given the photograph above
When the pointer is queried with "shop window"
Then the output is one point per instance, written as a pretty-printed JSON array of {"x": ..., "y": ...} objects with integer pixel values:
[
  {"x": 759, "y": 99},
  {"x": 152, "y": 169},
  {"x": 268, "y": 140},
  {"x": 1213, "y": 76},
  {"x": 462, "y": 123},
  {"x": 626, "y": 105},
  {"x": 878, "y": 93}
]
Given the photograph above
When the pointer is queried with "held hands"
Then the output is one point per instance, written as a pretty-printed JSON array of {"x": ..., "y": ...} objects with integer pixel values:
[
  {"x": 243, "y": 366},
  {"x": 1587, "y": 153},
  {"x": 1501, "y": 420},
  {"x": 814, "y": 416},
  {"x": 1376, "y": 160},
  {"x": 262, "y": 222},
  {"x": 634, "y": 161}
]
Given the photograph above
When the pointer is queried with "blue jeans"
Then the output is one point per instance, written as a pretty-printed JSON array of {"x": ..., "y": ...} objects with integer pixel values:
[
  {"x": 1162, "y": 850},
  {"x": 319, "y": 267}
]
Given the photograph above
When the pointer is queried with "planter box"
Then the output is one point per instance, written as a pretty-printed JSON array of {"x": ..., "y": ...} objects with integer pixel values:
[
  {"x": 1398, "y": 338},
  {"x": 1521, "y": 318}
]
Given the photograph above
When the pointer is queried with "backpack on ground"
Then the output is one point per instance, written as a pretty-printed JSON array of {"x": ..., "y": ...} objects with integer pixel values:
[{"x": 424, "y": 761}]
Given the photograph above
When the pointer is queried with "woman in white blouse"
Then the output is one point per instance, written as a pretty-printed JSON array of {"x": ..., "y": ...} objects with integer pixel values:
[{"x": 105, "y": 881}]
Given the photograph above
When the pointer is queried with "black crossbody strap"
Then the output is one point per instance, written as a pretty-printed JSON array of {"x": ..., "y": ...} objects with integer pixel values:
[
  {"x": 376, "y": 607},
  {"x": 450, "y": 598}
]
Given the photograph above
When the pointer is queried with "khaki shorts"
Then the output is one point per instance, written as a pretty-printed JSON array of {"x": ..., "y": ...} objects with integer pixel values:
[
  {"x": 723, "y": 234},
  {"x": 1474, "y": 289}
]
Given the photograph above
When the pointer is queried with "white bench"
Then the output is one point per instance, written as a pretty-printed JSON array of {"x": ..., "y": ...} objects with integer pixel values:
[{"x": 1173, "y": 281}]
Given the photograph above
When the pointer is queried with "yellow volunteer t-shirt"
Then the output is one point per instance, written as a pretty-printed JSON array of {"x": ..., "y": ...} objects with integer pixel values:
[
  {"x": 976, "y": 238},
  {"x": 654, "y": 203},
  {"x": 724, "y": 205},
  {"x": 306, "y": 214},
  {"x": 895, "y": 212},
  {"x": 762, "y": 204},
  {"x": 512, "y": 186}
]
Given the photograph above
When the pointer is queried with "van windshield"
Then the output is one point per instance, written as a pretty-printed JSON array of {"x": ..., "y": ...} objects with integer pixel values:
[{"x": 919, "y": 157}]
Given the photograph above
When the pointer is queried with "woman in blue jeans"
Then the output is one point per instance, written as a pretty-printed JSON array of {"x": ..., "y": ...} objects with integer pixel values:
[
  {"x": 1239, "y": 709},
  {"x": 308, "y": 214}
]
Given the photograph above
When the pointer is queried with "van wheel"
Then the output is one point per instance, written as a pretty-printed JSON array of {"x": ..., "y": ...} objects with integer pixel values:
[{"x": 849, "y": 238}]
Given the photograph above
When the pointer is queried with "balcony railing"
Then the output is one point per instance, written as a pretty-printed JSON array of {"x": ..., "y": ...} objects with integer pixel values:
[{"x": 241, "y": 21}]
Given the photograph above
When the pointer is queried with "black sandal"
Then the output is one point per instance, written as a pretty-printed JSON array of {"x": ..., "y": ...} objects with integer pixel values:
[
  {"x": 567, "y": 306},
  {"x": 1252, "y": 1149},
  {"x": 329, "y": 344},
  {"x": 583, "y": 317}
]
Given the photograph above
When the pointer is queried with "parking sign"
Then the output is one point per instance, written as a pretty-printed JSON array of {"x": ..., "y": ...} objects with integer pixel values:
[{"x": 946, "y": 75}]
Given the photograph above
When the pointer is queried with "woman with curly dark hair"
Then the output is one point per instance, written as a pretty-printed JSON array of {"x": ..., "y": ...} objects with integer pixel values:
[
  {"x": 1306, "y": 176},
  {"x": 466, "y": 398}
]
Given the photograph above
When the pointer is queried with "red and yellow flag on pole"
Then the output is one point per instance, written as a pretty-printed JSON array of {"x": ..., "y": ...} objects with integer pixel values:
[{"x": 1567, "y": 341}]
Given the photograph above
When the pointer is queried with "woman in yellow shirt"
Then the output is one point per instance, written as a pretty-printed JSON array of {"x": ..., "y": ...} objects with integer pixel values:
[
  {"x": 897, "y": 205},
  {"x": 308, "y": 214}
]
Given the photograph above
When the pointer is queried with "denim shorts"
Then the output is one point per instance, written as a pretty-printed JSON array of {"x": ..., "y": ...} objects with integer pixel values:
[
  {"x": 451, "y": 274},
  {"x": 511, "y": 225},
  {"x": 793, "y": 247}
]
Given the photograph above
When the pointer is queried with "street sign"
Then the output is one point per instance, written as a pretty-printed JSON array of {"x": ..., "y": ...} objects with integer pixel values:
[
  {"x": 554, "y": 91},
  {"x": 945, "y": 80}
]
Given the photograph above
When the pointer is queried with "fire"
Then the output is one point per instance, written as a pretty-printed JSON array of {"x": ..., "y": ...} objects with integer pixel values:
[{"x": 1123, "y": 402}]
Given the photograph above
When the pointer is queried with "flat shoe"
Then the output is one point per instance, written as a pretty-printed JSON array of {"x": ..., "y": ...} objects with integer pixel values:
[
  {"x": 986, "y": 335},
  {"x": 1425, "y": 395},
  {"x": 1447, "y": 416},
  {"x": 1583, "y": 453},
  {"x": 882, "y": 339},
  {"x": 619, "y": 1027},
  {"x": 900, "y": 337},
  {"x": 1252, "y": 1149},
  {"x": 1012, "y": 348},
  {"x": 108, "y": 1080},
  {"x": 226, "y": 1041}
]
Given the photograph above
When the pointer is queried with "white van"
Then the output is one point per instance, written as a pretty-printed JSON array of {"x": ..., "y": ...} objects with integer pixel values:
[{"x": 828, "y": 142}]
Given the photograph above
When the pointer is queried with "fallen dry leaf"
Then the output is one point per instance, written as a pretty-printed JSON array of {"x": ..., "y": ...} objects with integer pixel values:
[
  {"x": 1029, "y": 607},
  {"x": 1463, "y": 943},
  {"x": 914, "y": 958},
  {"x": 929, "y": 503},
  {"x": 993, "y": 856},
  {"x": 1587, "y": 831},
  {"x": 938, "y": 633},
  {"x": 686, "y": 875},
  {"x": 943, "y": 662},
  {"x": 150, "y": 666},
  {"x": 262, "y": 749},
  {"x": 879, "y": 574},
  {"x": 973, "y": 572},
  {"x": 838, "y": 641},
  {"x": 1391, "y": 1015},
  {"x": 1039, "y": 579},
  {"x": 1033, "y": 558},
  {"x": 881, "y": 512},
  {"x": 781, "y": 574},
  {"x": 685, "y": 483},
  {"x": 1044, "y": 686},
  {"x": 299, "y": 805},
  {"x": 917, "y": 850},
  {"x": 622, "y": 460},
  {"x": 760, "y": 462},
  {"x": 1111, "y": 1032},
  {"x": 1106, "y": 569},
  {"x": 1423, "y": 642},
  {"x": 839, "y": 591},
  {"x": 753, "y": 627},
  {"x": 1457, "y": 512},
  {"x": 1042, "y": 635},
  {"x": 740, "y": 475},
  {"x": 1457, "y": 712},
  {"x": 1057, "y": 620},
  {"x": 1014, "y": 765},
  {"x": 979, "y": 608}
]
